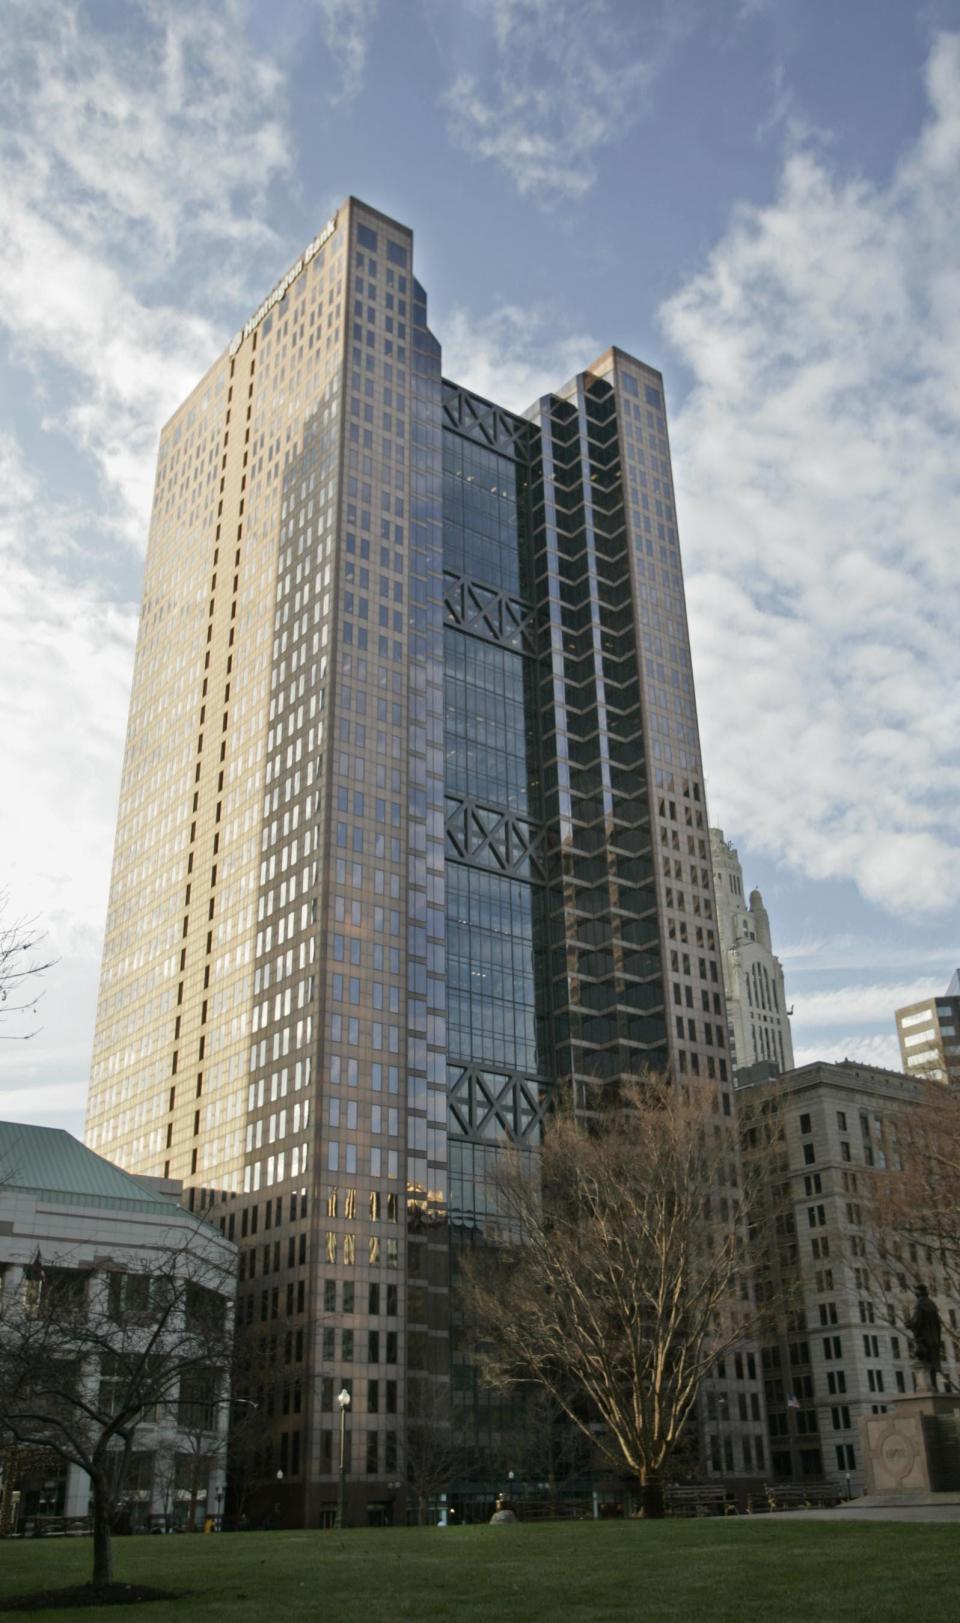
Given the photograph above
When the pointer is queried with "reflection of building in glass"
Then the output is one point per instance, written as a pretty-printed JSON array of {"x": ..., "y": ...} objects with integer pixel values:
[
  {"x": 929, "y": 1034},
  {"x": 412, "y": 829},
  {"x": 757, "y": 1013}
]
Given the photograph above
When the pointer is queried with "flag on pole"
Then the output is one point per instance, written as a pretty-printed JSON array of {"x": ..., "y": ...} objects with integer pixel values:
[{"x": 33, "y": 1272}]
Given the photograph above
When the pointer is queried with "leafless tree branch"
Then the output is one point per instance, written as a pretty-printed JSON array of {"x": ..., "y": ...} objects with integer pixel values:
[{"x": 621, "y": 1275}]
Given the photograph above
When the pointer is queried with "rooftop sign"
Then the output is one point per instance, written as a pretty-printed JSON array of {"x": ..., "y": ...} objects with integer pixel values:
[{"x": 309, "y": 252}]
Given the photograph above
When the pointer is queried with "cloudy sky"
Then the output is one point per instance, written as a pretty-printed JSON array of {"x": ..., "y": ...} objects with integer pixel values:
[{"x": 761, "y": 197}]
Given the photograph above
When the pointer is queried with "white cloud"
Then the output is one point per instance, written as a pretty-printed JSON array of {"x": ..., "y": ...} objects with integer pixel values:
[
  {"x": 870, "y": 1050},
  {"x": 129, "y": 363},
  {"x": 513, "y": 354},
  {"x": 66, "y": 654},
  {"x": 133, "y": 162},
  {"x": 166, "y": 127},
  {"x": 126, "y": 159},
  {"x": 819, "y": 495},
  {"x": 60, "y": 1104},
  {"x": 567, "y": 78},
  {"x": 861, "y": 1005},
  {"x": 786, "y": 113},
  {"x": 347, "y": 26},
  {"x": 819, "y": 954}
]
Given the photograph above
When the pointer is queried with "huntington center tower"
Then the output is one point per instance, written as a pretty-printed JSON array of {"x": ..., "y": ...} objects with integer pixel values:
[{"x": 411, "y": 834}]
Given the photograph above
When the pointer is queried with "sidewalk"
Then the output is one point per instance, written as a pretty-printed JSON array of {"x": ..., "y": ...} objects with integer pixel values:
[{"x": 882, "y": 1507}]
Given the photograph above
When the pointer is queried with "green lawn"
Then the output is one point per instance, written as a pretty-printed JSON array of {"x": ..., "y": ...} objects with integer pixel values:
[{"x": 668, "y": 1572}]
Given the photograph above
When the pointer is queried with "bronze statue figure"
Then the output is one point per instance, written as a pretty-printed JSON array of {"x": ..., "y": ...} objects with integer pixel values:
[{"x": 924, "y": 1326}]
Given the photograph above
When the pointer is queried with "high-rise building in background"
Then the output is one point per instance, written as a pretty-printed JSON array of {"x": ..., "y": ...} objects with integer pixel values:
[
  {"x": 412, "y": 830},
  {"x": 757, "y": 1014},
  {"x": 929, "y": 1034}
]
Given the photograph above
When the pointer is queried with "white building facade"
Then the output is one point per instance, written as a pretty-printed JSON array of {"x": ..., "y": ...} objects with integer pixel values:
[
  {"x": 758, "y": 1017},
  {"x": 68, "y": 1215}
]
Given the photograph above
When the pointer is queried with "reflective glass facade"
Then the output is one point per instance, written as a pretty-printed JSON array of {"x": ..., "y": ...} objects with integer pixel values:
[
  {"x": 499, "y": 1063},
  {"x": 491, "y": 969},
  {"x": 489, "y": 738}
]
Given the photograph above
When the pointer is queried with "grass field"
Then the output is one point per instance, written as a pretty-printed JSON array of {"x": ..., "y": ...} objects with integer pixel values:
[{"x": 667, "y": 1572}]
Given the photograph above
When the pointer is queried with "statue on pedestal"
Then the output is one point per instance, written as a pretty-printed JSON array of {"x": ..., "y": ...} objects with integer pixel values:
[{"x": 924, "y": 1326}]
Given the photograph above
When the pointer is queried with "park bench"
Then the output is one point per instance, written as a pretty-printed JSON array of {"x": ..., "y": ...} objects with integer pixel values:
[
  {"x": 55, "y": 1527},
  {"x": 800, "y": 1495},
  {"x": 698, "y": 1499}
]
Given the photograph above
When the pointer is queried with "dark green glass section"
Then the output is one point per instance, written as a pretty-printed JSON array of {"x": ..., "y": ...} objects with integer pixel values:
[
  {"x": 489, "y": 732},
  {"x": 473, "y": 1174},
  {"x": 491, "y": 978},
  {"x": 480, "y": 495}
]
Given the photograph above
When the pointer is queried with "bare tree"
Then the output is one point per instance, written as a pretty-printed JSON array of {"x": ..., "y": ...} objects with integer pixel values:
[
  {"x": 202, "y": 1444},
  {"x": 256, "y": 1386},
  {"x": 165, "y": 1484},
  {"x": 912, "y": 1236},
  {"x": 546, "y": 1447},
  {"x": 22, "y": 962},
  {"x": 623, "y": 1276},
  {"x": 88, "y": 1357},
  {"x": 434, "y": 1456},
  {"x": 915, "y": 1212}
]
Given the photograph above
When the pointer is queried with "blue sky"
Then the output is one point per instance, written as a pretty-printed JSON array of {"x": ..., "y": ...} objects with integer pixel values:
[{"x": 761, "y": 197}]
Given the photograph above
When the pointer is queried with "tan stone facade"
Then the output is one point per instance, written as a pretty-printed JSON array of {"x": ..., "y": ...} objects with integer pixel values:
[{"x": 845, "y": 1353}]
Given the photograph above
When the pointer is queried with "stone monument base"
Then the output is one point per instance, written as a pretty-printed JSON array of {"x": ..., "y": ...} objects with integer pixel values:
[{"x": 914, "y": 1447}]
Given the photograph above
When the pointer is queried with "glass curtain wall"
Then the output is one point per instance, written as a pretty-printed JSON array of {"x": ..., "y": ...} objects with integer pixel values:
[{"x": 498, "y": 1061}]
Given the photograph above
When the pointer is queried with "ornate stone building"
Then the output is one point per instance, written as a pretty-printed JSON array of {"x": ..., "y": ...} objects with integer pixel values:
[{"x": 757, "y": 1013}]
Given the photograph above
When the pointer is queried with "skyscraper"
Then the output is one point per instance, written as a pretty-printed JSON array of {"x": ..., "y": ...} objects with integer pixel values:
[
  {"x": 412, "y": 828},
  {"x": 929, "y": 1034},
  {"x": 759, "y": 1020}
]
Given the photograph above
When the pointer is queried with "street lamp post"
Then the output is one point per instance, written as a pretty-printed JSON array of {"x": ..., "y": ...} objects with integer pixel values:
[{"x": 343, "y": 1399}]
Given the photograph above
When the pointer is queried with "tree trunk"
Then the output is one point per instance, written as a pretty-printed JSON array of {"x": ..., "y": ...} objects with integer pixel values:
[
  {"x": 102, "y": 1545},
  {"x": 421, "y": 1510},
  {"x": 651, "y": 1497},
  {"x": 11, "y": 1476}
]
